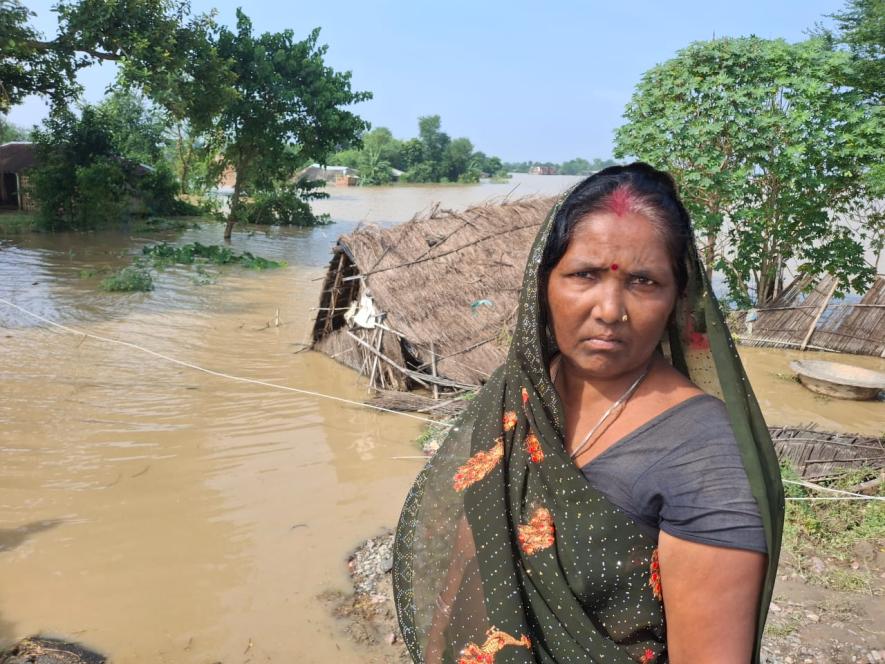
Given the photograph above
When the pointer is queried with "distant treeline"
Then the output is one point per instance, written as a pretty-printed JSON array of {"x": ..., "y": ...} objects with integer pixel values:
[
  {"x": 431, "y": 157},
  {"x": 575, "y": 166}
]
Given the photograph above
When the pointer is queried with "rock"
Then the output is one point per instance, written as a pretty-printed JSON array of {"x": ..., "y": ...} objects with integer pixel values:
[
  {"x": 391, "y": 639},
  {"x": 39, "y": 650},
  {"x": 774, "y": 608},
  {"x": 818, "y": 565},
  {"x": 813, "y": 617}
]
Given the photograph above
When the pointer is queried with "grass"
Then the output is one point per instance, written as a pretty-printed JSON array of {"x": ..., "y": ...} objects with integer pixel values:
[
  {"x": 830, "y": 530},
  {"x": 14, "y": 223}
]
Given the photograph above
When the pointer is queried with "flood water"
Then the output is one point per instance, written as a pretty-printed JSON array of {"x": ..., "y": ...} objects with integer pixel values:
[{"x": 161, "y": 514}]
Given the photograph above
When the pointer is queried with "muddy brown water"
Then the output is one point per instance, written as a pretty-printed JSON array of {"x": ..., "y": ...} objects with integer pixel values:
[{"x": 161, "y": 514}]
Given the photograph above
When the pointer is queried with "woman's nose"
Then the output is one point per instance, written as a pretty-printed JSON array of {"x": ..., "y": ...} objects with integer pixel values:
[{"x": 609, "y": 308}]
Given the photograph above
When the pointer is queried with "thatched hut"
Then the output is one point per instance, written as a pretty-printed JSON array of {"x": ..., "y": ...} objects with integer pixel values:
[
  {"x": 16, "y": 161},
  {"x": 429, "y": 302},
  {"x": 805, "y": 316}
]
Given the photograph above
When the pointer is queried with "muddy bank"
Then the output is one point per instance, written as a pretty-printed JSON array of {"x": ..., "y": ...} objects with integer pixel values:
[
  {"x": 807, "y": 624},
  {"x": 368, "y": 615}
]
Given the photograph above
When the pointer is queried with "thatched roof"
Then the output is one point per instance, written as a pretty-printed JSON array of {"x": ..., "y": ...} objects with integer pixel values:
[
  {"x": 805, "y": 316},
  {"x": 17, "y": 156},
  {"x": 447, "y": 280}
]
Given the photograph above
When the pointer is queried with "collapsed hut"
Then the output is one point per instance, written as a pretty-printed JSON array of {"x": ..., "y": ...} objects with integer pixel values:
[
  {"x": 818, "y": 455},
  {"x": 430, "y": 302},
  {"x": 807, "y": 316}
]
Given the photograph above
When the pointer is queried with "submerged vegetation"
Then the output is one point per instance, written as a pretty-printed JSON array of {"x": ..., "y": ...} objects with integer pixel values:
[
  {"x": 162, "y": 255},
  {"x": 138, "y": 277},
  {"x": 134, "y": 278},
  {"x": 13, "y": 223}
]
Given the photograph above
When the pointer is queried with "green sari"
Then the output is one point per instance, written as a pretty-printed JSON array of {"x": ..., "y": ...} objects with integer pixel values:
[{"x": 504, "y": 551}]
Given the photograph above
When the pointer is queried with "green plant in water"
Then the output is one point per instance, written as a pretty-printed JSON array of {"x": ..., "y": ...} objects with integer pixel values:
[
  {"x": 163, "y": 254},
  {"x": 129, "y": 279}
]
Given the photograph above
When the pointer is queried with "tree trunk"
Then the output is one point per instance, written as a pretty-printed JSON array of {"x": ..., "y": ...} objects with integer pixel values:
[
  {"x": 182, "y": 176},
  {"x": 234, "y": 207},
  {"x": 710, "y": 255}
]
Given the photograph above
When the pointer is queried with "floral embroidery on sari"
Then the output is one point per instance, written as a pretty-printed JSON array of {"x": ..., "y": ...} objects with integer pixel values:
[
  {"x": 654, "y": 577},
  {"x": 525, "y": 397},
  {"x": 495, "y": 642},
  {"x": 647, "y": 657},
  {"x": 533, "y": 447},
  {"x": 478, "y": 466},
  {"x": 538, "y": 534},
  {"x": 509, "y": 420}
]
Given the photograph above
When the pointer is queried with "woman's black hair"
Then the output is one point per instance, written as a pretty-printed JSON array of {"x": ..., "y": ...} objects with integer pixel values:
[{"x": 654, "y": 190}]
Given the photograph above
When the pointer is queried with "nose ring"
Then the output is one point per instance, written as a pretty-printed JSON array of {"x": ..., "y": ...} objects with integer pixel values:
[{"x": 624, "y": 318}]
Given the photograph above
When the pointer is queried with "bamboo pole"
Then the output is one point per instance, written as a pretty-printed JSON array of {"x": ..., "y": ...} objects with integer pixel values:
[
  {"x": 819, "y": 314},
  {"x": 377, "y": 343},
  {"x": 402, "y": 370},
  {"x": 333, "y": 300},
  {"x": 433, "y": 370}
]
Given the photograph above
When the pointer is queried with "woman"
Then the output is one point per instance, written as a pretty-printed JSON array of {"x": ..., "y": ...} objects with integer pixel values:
[{"x": 595, "y": 503}]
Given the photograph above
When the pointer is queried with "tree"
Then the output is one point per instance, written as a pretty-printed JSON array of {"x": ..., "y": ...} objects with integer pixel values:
[
  {"x": 83, "y": 181},
  {"x": 575, "y": 166},
  {"x": 376, "y": 158},
  {"x": 26, "y": 67},
  {"x": 456, "y": 162},
  {"x": 766, "y": 148},
  {"x": 861, "y": 29},
  {"x": 433, "y": 144},
  {"x": 138, "y": 130},
  {"x": 286, "y": 108},
  {"x": 11, "y": 132}
]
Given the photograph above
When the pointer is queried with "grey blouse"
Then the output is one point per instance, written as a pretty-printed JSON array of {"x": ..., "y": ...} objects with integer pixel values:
[{"x": 681, "y": 472}]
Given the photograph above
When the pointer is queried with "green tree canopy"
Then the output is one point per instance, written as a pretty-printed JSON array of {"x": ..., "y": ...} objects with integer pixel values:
[
  {"x": 860, "y": 27},
  {"x": 26, "y": 66},
  {"x": 286, "y": 108},
  {"x": 576, "y": 166},
  {"x": 431, "y": 157},
  {"x": 767, "y": 148},
  {"x": 84, "y": 178}
]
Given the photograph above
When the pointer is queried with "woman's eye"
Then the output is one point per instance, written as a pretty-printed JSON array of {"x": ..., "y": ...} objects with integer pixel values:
[
  {"x": 586, "y": 274},
  {"x": 642, "y": 281}
]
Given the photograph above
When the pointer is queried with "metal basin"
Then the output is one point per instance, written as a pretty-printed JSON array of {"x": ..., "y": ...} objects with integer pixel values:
[{"x": 841, "y": 381}]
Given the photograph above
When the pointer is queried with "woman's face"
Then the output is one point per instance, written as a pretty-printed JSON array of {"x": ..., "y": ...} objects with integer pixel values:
[{"x": 614, "y": 265}]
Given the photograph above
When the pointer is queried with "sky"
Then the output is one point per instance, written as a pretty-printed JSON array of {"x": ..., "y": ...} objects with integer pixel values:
[{"x": 541, "y": 81}]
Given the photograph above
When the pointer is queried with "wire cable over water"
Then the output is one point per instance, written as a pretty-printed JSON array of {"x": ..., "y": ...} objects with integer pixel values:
[
  {"x": 212, "y": 372},
  {"x": 847, "y": 495}
]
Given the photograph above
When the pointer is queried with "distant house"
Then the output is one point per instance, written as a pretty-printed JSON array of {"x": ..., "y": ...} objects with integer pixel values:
[
  {"x": 339, "y": 176},
  {"x": 542, "y": 170},
  {"x": 16, "y": 160}
]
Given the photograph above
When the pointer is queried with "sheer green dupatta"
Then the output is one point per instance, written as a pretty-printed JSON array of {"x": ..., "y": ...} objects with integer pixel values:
[
  {"x": 505, "y": 553},
  {"x": 703, "y": 349}
]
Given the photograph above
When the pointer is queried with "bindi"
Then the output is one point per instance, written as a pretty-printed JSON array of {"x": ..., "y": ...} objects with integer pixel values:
[{"x": 614, "y": 267}]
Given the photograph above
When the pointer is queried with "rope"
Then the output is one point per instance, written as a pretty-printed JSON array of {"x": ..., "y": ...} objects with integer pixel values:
[
  {"x": 211, "y": 372},
  {"x": 859, "y": 497},
  {"x": 845, "y": 495}
]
